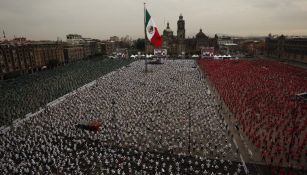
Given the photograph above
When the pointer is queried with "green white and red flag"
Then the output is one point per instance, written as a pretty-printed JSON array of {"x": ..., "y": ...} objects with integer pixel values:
[{"x": 152, "y": 32}]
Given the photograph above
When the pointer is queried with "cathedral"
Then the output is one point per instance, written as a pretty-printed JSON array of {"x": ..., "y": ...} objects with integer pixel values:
[{"x": 178, "y": 45}]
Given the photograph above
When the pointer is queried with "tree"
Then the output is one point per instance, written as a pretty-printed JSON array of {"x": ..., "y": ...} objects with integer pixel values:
[
  {"x": 139, "y": 44},
  {"x": 123, "y": 44}
]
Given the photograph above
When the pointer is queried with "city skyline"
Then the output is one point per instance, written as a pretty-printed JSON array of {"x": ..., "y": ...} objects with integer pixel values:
[{"x": 46, "y": 20}]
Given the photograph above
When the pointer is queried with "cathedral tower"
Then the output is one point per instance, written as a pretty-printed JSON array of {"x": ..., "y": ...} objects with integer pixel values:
[
  {"x": 181, "y": 36},
  {"x": 181, "y": 28}
]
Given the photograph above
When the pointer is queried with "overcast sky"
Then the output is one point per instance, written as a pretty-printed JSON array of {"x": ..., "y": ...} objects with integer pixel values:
[{"x": 49, "y": 19}]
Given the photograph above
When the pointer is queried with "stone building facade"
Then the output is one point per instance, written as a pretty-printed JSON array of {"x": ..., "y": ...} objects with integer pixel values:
[
  {"x": 20, "y": 56},
  {"x": 110, "y": 47},
  {"x": 28, "y": 56},
  {"x": 73, "y": 53},
  {"x": 15, "y": 57},
  {"x": 290, "y": 48},
  {"x": 78, "y": 48},
  {"x": 44, "y": 52}
]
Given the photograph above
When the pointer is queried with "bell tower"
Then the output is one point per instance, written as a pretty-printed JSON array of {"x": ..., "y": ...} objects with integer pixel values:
[
  {"x": 181, "y": 28},
  {"x": 181, "y": 36}
]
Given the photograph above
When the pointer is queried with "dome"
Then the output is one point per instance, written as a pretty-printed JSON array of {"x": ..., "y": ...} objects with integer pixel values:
[
  {"x": 200, "y": 34},
  {"x": 168, "y": 31}
]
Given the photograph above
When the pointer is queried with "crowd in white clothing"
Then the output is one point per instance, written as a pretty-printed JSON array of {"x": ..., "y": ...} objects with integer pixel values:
[{"x": 163, "y": 121}]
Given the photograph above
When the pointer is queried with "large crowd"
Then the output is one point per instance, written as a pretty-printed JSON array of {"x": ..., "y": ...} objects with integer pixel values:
[
  {"x": 262, "y": 96},
  {"x": 28, "y": 93},
  {"x": 165, "y": 121}
]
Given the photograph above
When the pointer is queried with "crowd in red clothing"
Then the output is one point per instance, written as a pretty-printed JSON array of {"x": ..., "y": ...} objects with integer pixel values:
[{"x": 260, "y": 94}]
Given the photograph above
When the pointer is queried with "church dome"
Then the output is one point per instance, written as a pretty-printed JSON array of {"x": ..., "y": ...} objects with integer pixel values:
[
  {"x": 168, "y": 31},
  {"x": 200, "y": 34}
]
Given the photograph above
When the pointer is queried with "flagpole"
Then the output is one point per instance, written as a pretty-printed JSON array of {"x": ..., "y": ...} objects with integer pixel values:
[{"x": 145, "y": 37}]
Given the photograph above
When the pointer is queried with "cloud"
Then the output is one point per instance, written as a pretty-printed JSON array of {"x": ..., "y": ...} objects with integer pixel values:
[
  {"x": 43, "y": 19},
  {"x": 271, "y": 4}
]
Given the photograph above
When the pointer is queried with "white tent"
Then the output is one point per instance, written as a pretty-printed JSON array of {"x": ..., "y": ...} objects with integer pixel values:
[
  {"x": 195, "y": 56},
  {"x": 149, "y": 56}
]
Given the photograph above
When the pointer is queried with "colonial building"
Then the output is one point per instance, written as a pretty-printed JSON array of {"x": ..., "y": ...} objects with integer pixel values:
[
  {"x": 253, "y": 47},
  {"x": 78, "y": 47},
  {"x": 45, "y": 52},
  {"x": 291, "y": 48},
  {"x": 110, "y": 47},
  {"x": 73, "y": 53},
  {"x": 15, "y": 58},
  {"x": 103, "y": 48},
  {"x": 180, "y": 45},
  {"x": 22, "y": 57}
]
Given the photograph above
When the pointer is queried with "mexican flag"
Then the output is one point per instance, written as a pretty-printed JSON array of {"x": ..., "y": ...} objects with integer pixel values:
[{"x": 152, "y": 30}]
